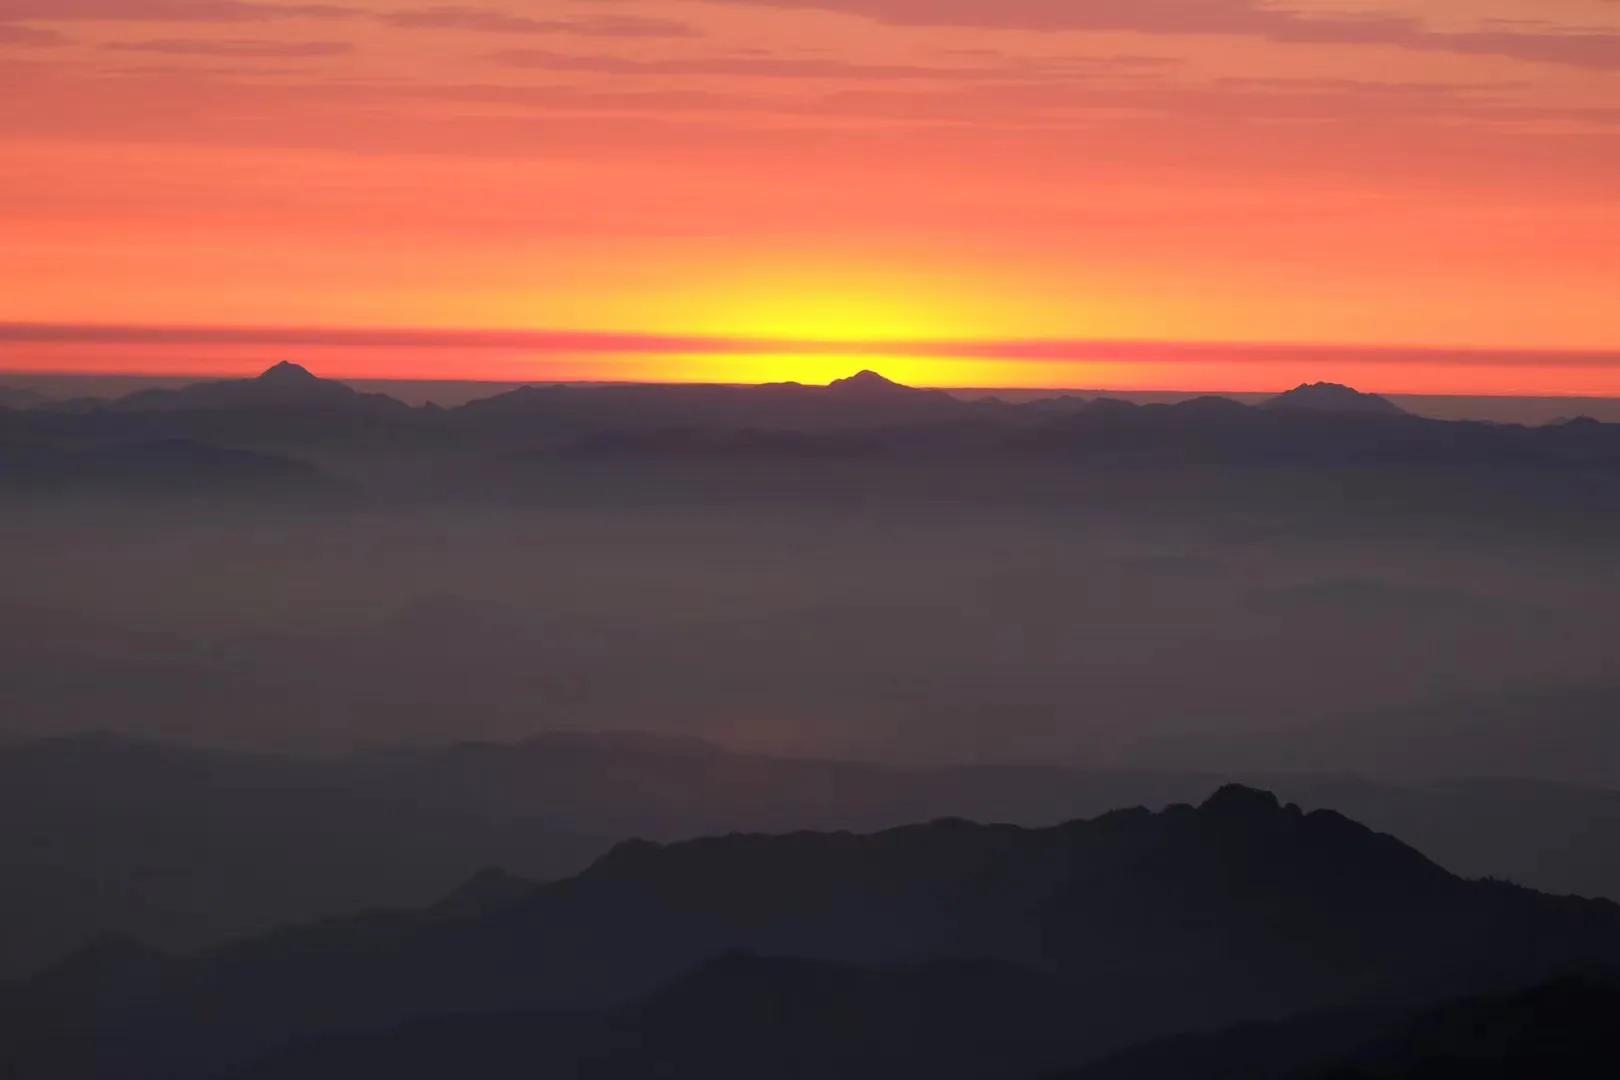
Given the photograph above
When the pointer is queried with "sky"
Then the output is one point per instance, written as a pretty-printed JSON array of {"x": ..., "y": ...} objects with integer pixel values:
[{"x": 1191, "y": 194}]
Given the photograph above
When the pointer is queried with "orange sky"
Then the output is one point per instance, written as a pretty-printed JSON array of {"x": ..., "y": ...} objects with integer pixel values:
[{"x": 1327, "y": 172}]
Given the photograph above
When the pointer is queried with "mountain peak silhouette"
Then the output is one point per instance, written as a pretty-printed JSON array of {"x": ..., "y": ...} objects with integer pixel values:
[
  {"x": 1326, "y": 397},
  {"x": 287, "y": 373},
  {"x": 867, "y": 382},
  {"x": 1236, "y": 800},
  {"x": 283, "y": 387}
]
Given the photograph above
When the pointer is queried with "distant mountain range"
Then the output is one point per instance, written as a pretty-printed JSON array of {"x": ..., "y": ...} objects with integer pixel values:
[
  {"x": 948, "y": 949},
  {"x": 317, "y": 437},
  {"x": 287, "y": 405}
]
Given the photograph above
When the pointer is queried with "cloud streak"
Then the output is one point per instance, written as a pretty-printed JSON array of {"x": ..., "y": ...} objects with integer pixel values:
[
  {"x": 1594, "y": 47},
  {"x": 29, "y": 36},
  {"x": 284, "y": 50},
  {"x": 815, "y": 68},
  {"x": 491, "y": 21},
  {"x": 204, "y": 11}
]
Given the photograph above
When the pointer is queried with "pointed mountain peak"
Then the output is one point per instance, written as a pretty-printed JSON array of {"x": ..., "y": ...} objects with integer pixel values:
[
  {"x": 1326, "y": 397},
  {"x": 867, "y": 382},
  {"x": 287, "y": 372}
]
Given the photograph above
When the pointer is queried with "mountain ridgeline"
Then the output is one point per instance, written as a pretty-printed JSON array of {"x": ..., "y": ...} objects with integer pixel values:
[
  {"x": 105, "y": 835},
  {"x": 945, "y": 949},
  {"x": 294, "y": 420}
]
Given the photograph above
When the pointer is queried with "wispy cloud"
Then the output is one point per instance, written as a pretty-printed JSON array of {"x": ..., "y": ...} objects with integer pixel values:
[
  {"x": 788, "y": 67},
  {"x": 1590, "y": 47},
  {"x": 224, "y": 11},
  {"x": 284, "y": 50},
  {"x": 492, "y": 21},
  {"x": 31, "y": 36}
]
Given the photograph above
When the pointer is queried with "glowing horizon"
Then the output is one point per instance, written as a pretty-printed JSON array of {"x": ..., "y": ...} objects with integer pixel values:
[{"x": 584, "y": 356}]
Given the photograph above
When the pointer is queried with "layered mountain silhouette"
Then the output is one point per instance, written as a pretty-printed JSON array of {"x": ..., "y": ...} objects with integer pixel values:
[
  {"x": 158, "y": 467},
  {"x": 17, "y": 397},
  {"x": 1040, "y": 944}
]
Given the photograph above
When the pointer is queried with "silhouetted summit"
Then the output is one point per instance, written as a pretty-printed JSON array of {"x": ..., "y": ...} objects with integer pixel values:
[
  {"x": 287, "y": 373},
  {"x": 868, "y": 383},
  {"x": 1326, "y": 397},
  {"x": 1237, "y": 801},
  {"x": 281, "y": 388}
]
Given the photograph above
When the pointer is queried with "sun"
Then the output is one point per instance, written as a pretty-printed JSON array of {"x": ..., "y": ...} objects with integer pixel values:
[
  {"x": 813, "y": 325},
  {"x": 823, "y": 305}
]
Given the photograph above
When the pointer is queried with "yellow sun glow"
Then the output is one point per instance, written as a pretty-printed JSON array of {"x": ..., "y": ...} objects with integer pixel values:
[{"x": 827, "y": 305}]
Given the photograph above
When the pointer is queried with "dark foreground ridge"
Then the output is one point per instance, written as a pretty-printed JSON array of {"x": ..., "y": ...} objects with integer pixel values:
[
  {"x": 1562, "y": 1028},
  {"x": 946, "y": 949},
  {"x": 393, "y": 826}
]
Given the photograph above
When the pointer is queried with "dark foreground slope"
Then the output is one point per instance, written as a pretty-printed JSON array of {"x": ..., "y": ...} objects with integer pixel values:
[
  {"x": 746, "y": 1016},
  {"x": 740, "y": 1016},
  {"x": 1067, "y": 943},
  {"x": 1563, "y": 1028}
]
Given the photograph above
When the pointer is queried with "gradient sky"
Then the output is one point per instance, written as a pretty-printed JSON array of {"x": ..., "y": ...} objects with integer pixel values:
[{"x": 1341, "y": 174}]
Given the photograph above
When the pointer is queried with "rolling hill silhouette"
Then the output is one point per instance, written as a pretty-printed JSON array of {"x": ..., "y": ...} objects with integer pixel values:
[{"x": 1238, "y": 910}]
